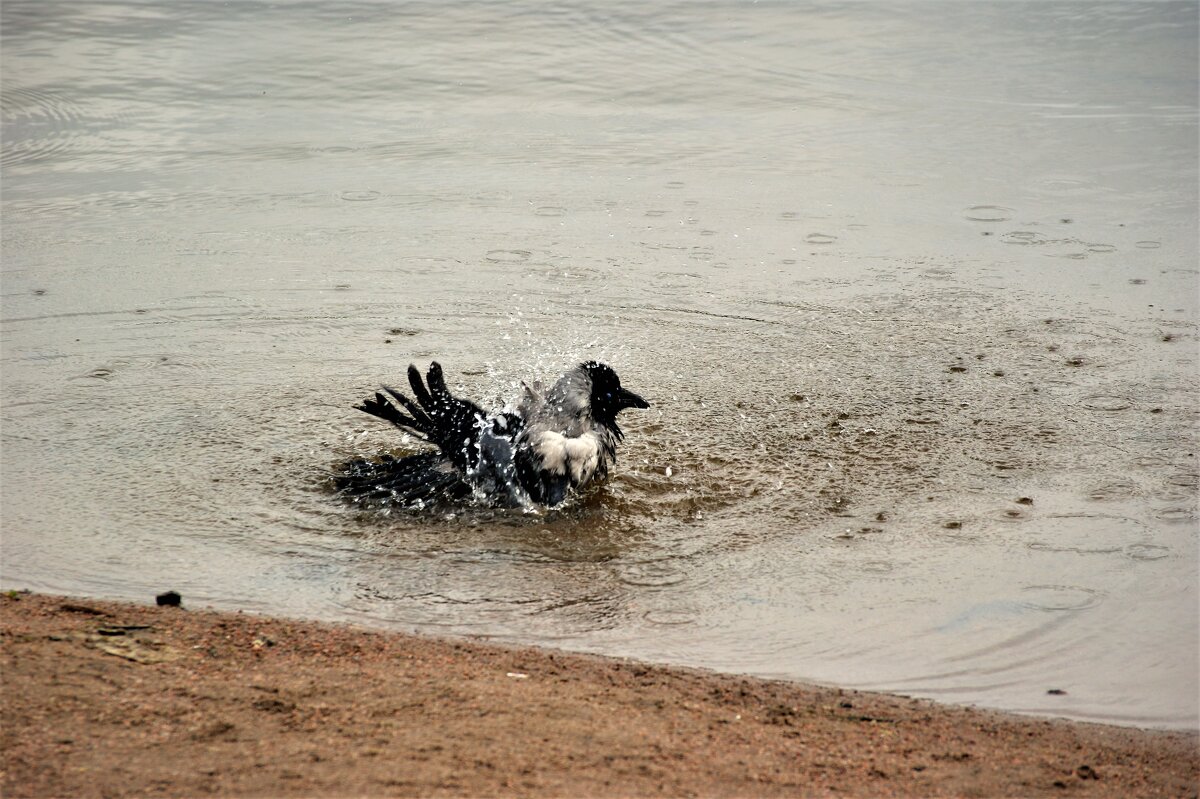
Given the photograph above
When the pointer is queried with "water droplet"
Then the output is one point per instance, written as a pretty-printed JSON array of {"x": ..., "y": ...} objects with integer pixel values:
[
  {"x": 1042, "y": 546},
  {"x": 820, "y": 238},
  {"x": 1060, "y": 597},
  {"x": 1023, "y": 238},
  {"x": 507, "y": 256},
  {"x": 670, "y": 617},
  {"x": 1066, "y": 185},
  {"x": 1117, "y": 489},
  {"x": 1176, "y": 515},
  {"x": 1148, "y": 245},
  {"x": 651, "y": 575},
  {"x": 1147, "y": 551},
  {"x": 1185, "y": 479},
  {"x": 550, "y": 210},
  {"x": 1105, "y": 402},
  {"x": 1150, "y": 461},
  {"x": 1084, "y": 533},
  {"x": 988, "y": 213},
  {"x": 359, "y": 196}
]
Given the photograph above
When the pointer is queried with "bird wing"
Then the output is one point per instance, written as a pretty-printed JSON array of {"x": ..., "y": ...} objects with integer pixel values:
[{"x": 450, "y": 423}]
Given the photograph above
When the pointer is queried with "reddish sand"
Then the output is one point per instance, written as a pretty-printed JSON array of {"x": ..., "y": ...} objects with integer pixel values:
[{"x": 107, "y": 699}]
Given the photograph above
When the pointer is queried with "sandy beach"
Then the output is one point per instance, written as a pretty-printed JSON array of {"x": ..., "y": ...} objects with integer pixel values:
[{"x": 111, "y": 699}]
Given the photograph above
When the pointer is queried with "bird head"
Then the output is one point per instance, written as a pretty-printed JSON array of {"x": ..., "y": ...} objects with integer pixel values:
[{"x": 607, "y": 398}]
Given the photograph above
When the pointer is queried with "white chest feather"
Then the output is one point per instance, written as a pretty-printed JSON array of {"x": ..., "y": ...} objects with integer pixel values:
[{"x": 575, "y": 457}]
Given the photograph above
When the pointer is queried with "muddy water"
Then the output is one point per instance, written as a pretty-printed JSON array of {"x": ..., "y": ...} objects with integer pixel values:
[{"x": 913, "y": 291}]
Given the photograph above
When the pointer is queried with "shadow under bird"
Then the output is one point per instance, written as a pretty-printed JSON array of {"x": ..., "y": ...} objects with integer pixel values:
[{"x": 557, "y": 441}]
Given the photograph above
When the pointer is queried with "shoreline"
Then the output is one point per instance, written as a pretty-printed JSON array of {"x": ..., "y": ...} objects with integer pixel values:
[{"x": 105, "y": 698}]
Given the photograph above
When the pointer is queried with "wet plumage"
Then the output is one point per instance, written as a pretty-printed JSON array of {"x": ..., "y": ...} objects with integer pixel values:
[{"x": 558, "y": 440}]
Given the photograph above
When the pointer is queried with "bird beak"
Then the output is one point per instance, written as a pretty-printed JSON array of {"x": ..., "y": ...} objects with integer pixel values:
[{"x": 628, "y": 399}]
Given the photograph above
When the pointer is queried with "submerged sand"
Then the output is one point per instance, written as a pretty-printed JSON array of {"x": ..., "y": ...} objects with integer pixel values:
[{"x": 110, "y": 699}]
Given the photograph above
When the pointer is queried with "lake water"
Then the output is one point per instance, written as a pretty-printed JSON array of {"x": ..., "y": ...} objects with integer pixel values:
[{"x": 912, "y": 287}]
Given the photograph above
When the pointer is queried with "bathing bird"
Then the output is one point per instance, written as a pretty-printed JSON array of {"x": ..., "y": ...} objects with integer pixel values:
[{"x": 557, "y": 441}]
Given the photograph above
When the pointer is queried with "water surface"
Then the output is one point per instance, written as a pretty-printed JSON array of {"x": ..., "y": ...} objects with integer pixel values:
[{"x": 913, "y": 291}]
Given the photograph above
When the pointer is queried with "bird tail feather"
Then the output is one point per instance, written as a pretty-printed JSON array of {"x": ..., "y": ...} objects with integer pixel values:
[{"x": 413, "y": 481}]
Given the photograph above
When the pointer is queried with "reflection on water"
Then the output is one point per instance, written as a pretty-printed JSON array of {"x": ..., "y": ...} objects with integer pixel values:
[{"x": 893, "y": 444}]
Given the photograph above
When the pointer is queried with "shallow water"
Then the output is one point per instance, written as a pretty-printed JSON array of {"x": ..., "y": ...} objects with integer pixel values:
[{"x": 913, "y": 291}]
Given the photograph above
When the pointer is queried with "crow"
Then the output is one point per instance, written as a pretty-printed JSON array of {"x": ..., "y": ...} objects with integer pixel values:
[{"x": 557, "y": 441}]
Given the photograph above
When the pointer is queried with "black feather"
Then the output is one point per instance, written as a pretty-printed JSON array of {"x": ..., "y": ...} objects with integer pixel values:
[
  {"x": 418, "y": 415},
  {"x": 495, "y": 457},
  {"x": 416, "y": 480},
  {"x": 418, "y": 387}
]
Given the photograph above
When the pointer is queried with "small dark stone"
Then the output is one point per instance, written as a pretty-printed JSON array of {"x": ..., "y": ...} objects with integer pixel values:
[
  {"x": 169, "y": 599},
  {"x": 1025, "y": 500},
  {"x": 953, "y": 525},
  {"x": 1057, "y": 692},
  {"x": 1086, "y": 772}
]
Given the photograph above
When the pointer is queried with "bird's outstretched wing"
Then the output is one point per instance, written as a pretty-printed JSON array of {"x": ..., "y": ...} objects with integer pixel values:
[{"x": 449, "y": 422}]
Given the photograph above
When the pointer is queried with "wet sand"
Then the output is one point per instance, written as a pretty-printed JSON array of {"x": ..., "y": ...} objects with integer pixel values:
[{"x": 112, "y": 699}]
